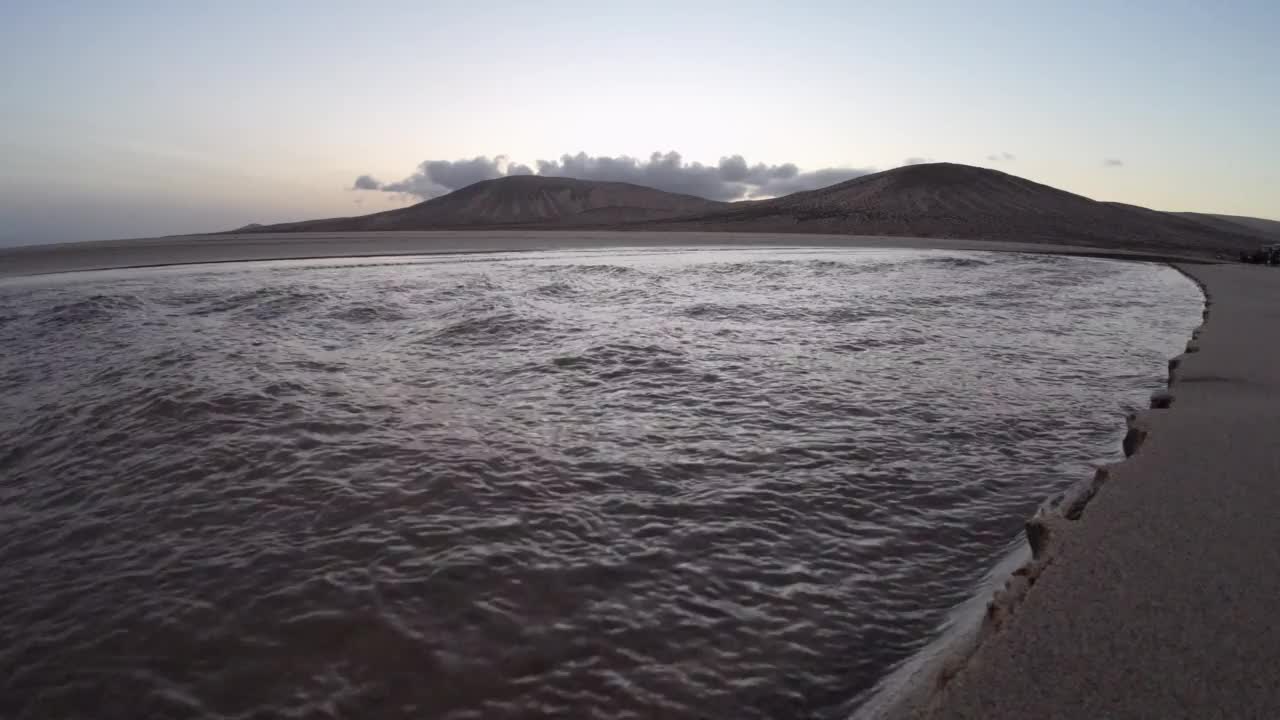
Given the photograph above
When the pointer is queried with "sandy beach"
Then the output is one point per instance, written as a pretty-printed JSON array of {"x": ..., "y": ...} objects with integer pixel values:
[{"x": 184, "y": 249}]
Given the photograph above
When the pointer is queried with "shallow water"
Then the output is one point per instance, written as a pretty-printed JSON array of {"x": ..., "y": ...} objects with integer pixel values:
[{"x": 712, "y": 484}]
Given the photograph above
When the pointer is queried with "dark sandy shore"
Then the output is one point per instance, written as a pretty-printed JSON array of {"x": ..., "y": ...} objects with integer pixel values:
[
  {"x": 182, "y": 249},
  {"x": 1162, "y": 600}
]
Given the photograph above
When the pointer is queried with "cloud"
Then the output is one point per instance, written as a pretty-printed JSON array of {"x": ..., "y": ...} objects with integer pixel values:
[
  {"x": 366, "y": 182},
  {"x": 437, "y": 177},
  {"x": 733, "y": 178},
  {"x": 1113, "y": 162},
  {"x": 917, "y": 161},
  {"x": 1002, "y": 157}
]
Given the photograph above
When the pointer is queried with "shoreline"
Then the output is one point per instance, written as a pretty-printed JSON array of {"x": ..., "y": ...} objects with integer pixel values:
[
  {"x": 1151, "y": 588},
  {"x": 914, "y": 689},
  {"x": 31, "y": 260},
  {"x": 900, "y": 693}
]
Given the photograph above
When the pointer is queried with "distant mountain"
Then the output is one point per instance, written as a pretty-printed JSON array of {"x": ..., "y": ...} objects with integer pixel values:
[
  {"x": 520, "y": 200},
  {"x": 961, "y": 201},
  {"x": 928, "y": 200}
]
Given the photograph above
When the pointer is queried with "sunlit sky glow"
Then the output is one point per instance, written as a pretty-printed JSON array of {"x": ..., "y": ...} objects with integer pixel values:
[{"x": 143, "y": 118}]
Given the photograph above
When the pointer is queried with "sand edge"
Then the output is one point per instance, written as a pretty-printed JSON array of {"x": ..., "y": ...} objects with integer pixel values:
[
  {"x": 195, "y": 250},
  {"x": 917, "y": 689}
]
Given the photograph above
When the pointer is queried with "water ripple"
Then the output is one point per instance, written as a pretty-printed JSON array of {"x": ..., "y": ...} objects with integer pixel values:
[{"x": 738, "y": 484}]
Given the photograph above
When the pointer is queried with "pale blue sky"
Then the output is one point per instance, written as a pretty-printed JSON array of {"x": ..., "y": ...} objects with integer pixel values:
[{"x": 142, "y": 118}]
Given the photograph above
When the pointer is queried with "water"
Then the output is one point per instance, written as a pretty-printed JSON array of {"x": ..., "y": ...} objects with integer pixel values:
[{"x": 715, "y": 484}]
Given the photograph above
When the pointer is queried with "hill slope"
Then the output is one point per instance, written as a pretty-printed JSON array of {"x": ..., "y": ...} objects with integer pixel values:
[
  {"x": 1233, "y": 223},
  {"x": 520, "y": 200},
  {"x": 961, "y": 201},
  {"x": 929, "y": 200}
]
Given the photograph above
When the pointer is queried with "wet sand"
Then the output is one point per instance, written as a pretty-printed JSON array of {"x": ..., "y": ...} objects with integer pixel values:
[
  {"x": 1160, "y": 600},
  {"x": 183, "y": 249}
]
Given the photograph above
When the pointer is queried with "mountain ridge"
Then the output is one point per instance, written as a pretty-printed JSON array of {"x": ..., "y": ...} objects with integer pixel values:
[
  {"x": 926, "y": 200},
  {"x": 966, "y": 202},
  {"x": 518, "y": 200},
  {"x": 1269, "y": 228}
]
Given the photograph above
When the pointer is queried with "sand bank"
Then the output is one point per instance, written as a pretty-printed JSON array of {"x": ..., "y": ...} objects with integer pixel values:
[
  {"x": 1158, "y": 599},
  {"x": 184, "y": 249}
]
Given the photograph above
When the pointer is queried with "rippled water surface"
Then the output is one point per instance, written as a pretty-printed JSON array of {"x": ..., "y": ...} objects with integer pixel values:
[{"x": 715, "y": 484}]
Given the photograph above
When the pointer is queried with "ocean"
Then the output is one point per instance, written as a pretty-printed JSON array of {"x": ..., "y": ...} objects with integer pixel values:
[{"x": 728, "y": 483}]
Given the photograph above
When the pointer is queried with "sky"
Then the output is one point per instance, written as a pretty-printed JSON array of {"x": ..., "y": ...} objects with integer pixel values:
[{"x": 127, "y": 119}]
